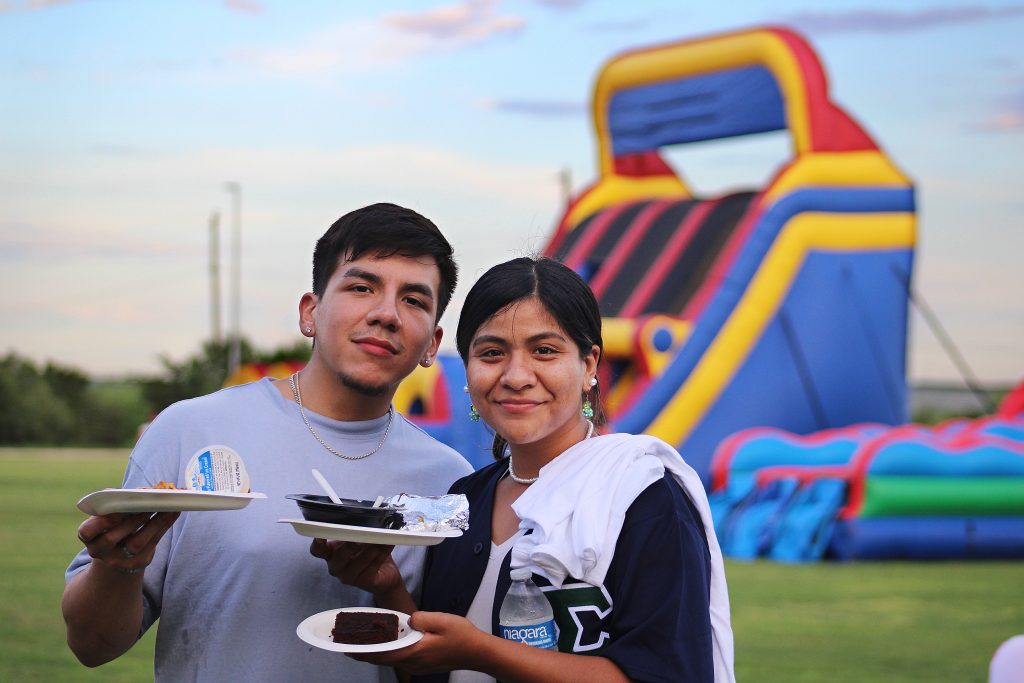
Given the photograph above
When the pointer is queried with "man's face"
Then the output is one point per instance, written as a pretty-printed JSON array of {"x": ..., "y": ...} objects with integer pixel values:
[{"x": 376, "y": 320}]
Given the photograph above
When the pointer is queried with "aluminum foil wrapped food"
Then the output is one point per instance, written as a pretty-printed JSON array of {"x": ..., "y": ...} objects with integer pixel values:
[{"x": 432, "y": 513}]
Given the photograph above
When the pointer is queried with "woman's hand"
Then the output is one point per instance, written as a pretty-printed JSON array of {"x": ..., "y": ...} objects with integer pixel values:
[{"x": 449, "y": 642}]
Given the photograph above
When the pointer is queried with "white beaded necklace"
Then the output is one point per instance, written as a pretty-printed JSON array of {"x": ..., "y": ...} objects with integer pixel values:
[
  {"x": 293, "y": 381},
  {"x": 530, "y": 480}
]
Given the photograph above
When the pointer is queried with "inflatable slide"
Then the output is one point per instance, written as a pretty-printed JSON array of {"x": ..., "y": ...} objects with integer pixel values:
[{"x": 779, "y": 306}]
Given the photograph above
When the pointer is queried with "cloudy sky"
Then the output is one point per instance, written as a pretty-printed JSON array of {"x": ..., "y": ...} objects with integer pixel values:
[{"x": 121, "y": 122}]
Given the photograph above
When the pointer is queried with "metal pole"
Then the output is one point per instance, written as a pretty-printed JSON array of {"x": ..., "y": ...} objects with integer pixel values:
[
  {"x": 215, "y": 331},
  {"x": 565, "y": 184},
  {"x": 235, "y": 355},
  {"x": 984, "y": 398}
]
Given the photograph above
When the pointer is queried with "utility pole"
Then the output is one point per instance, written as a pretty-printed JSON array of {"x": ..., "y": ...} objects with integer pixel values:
[
  {"x": 235, "y": 354},
  {"x": 215, "y": 330},
  {"x": 565, "y": 184}
]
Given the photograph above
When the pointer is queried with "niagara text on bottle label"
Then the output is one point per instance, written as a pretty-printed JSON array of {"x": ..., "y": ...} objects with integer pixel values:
[{"x": 541, "y": 634}]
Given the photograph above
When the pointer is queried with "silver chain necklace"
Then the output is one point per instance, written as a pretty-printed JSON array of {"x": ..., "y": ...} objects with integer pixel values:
[
  {"x": 294, "y": 382},
  {"x": 530, "y": 480}
]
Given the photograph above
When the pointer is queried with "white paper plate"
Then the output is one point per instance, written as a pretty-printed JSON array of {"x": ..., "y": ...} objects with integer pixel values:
[
  {"x": 162, "y": 500},
  {"x": 365, "y": 534},
  {"x": 316, "y": 630}
]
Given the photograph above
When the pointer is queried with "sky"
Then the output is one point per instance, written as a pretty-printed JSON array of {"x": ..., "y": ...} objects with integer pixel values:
[{"x": 122, "y": 124}]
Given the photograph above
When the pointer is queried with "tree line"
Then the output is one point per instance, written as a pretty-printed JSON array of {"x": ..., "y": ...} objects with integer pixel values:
[{"x": 57, "y": 405}]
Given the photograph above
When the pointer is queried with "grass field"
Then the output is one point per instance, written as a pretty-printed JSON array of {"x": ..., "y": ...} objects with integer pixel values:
[{"x": 893, "y": 622}]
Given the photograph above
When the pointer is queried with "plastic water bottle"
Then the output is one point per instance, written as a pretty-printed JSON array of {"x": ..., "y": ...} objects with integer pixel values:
[{"x": 525, "y": 615}]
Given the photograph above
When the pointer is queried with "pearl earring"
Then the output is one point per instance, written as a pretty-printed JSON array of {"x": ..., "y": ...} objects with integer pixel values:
[
  {"x": 593, "y": 381},
  {"x": 309, "y": 330}
]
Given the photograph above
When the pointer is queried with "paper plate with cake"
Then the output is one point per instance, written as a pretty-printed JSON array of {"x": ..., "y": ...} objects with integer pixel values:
[{"x": 358, "y": 629}]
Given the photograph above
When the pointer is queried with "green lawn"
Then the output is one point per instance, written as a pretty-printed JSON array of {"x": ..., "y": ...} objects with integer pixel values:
[{"x": 857, "y": 622}]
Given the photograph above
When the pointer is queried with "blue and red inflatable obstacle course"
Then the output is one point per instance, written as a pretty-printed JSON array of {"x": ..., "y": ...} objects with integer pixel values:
[{"x": 955, "y": 491}]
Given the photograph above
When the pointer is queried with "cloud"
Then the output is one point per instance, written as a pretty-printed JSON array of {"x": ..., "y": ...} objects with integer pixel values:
[
  {"x": 883, "y": 21},
  {"x": 538, "y": 108},
  {"x": 18, "y": 242},
  {"x": 562, "y": 4},
  {"x": 351, "y": 47},
  {"x": 244, "y": 6},
  {"x": 467, "y": 22},
  {"x": 1002, "y": 122},
  {"x": 369, "y": 45},
  {"x": 1008, "y": 115},
  {"x": 30, "y": 5}
]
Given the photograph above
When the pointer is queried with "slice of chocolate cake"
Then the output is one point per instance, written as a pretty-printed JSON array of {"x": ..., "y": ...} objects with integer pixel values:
[{"x": 365, "y": 628}]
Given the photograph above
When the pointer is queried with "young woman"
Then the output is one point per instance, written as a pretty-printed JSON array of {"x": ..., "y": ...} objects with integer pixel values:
[{"x": 616, "y": 528}]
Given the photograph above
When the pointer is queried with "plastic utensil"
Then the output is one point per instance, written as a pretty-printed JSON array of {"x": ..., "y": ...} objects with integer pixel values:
[{"x": 328, "y": 489}]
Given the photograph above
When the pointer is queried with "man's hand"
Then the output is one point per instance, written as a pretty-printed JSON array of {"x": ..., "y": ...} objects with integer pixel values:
[
  {"x": 125, "y": 542},
  {"x": 364, "y": 565}
]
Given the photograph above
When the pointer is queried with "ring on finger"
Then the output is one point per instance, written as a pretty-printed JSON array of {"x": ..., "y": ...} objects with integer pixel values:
[{"x": 127, "y": 553}]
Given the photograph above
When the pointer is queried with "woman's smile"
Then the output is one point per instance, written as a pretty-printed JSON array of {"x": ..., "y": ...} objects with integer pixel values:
[{"x": 518, "y": 405}]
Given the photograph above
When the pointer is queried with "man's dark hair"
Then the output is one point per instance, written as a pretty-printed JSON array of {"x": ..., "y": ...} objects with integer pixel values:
[{"x": 384, "y": 230}]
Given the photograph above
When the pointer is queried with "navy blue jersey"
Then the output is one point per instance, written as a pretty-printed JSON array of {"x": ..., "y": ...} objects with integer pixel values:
[{"x": 651, "y": 617}]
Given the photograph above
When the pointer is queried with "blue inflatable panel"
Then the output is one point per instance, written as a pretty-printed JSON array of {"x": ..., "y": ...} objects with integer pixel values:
[
  {"x": 723, "y": 503},
  {"x": 929, "y": 457},
  {"x": 708, "y": 107},
  {"x": 1005, "y": 429},
  {"x": 929, "y": 538},
  {"x": 771, "y": 449},
  {"x": 805, "y": 529},
  {"x": 748, "y": 533}
]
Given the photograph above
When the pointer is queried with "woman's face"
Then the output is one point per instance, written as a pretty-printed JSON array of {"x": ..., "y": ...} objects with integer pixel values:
[{"x": 526, "y": 378}]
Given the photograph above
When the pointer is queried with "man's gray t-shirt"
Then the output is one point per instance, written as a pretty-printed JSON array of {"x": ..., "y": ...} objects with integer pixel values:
[{"x": 230, "y": 587}]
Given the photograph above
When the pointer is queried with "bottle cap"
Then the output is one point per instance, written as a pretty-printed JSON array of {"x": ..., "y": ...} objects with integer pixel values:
[{"x": 521, "y": 573}]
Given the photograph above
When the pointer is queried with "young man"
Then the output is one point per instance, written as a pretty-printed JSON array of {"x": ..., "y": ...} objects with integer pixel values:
[{"x": 230, "y": 587}]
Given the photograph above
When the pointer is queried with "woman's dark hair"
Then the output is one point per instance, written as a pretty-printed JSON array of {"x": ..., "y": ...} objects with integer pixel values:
[
  {"x": 563, "y": 293},
  {"x": 384, "y": 230}
]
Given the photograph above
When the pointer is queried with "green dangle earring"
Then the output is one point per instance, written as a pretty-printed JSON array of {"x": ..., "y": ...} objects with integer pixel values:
[
  {"x": 474, "y": 415},
  {"x": 588, "y": 409}
]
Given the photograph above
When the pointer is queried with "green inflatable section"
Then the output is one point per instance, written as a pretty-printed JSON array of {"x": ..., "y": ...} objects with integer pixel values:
[{"x": 889, "y": 496}]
